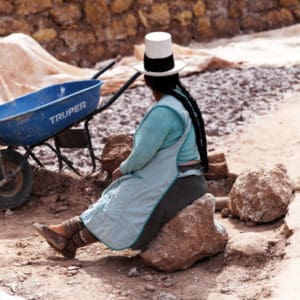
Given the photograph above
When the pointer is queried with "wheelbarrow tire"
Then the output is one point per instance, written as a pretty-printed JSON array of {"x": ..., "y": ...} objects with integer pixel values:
[{"x": 18, "y": 189}]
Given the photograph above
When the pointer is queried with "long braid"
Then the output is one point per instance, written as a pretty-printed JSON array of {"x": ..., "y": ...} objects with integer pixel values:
[{"x": 195, "y": 114}]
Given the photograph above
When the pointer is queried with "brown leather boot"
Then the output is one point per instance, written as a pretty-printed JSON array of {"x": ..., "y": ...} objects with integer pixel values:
[
  {"x": 66, "y": 245},
  {"x": 80, "y": 239},
  {"x": 72, "y": 226}
]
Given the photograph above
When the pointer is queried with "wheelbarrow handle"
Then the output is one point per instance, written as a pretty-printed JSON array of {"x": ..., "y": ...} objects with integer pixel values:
[
  {"x": 114, "y": 97},
  {"x": 118, "y": 93},
  {"x": 108, "y": 66}
]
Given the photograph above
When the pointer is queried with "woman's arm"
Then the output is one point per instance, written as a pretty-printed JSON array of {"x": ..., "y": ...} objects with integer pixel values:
[{"x": 149, "y": 138}]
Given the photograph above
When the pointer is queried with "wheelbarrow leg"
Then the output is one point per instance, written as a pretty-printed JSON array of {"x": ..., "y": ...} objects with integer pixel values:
[
  {"x": 63, "y": 158},
  {"x": 90, "y": 146},
  {"x": 57, "y": 146},
  {"x": 31, "y": 154}
]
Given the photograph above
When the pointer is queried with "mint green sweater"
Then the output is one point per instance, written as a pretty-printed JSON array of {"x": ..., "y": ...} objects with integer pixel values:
[{"x": 161, "y": 128}]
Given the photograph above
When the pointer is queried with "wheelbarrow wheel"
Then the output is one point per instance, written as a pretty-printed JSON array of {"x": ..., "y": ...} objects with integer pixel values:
[{"x": 15, "y": 178}]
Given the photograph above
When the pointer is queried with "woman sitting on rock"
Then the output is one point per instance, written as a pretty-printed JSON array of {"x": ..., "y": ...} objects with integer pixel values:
[{"x": 162, "y": 175}]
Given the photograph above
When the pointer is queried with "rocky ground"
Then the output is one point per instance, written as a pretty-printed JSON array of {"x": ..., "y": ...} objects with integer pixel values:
[{"x": 229, "y": 100}]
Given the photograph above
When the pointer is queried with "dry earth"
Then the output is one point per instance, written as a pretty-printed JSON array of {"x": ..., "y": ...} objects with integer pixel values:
[{"x": 248, "y": 118}]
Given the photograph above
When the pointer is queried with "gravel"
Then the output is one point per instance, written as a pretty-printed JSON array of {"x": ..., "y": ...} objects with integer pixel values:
[{"x": 228, "y": 98}]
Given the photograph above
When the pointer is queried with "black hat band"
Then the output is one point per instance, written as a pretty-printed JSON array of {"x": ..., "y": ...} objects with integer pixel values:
[{"x": 158, "y": 64}]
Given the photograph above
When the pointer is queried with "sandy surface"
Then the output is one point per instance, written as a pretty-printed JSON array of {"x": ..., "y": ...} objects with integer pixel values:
[
  {"x": 30, "y": 269},
  {"x": 275, "y": 138}
]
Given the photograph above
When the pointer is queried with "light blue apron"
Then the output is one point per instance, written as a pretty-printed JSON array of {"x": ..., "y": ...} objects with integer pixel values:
[{"x": 119, "y": 216}]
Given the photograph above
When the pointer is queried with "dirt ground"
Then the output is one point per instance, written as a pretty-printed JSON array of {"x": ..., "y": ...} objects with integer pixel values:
[{"x": 29, "y": 268}]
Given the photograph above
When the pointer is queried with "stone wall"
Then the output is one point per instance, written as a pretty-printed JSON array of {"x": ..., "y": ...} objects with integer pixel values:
[{"x": 83, "y": 32}]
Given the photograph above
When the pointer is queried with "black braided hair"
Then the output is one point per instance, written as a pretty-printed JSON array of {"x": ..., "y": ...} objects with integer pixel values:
[{"x": 168, "y": 85}]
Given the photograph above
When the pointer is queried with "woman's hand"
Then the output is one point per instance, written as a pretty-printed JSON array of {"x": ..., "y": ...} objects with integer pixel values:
[{"x": 116, "y": 173}]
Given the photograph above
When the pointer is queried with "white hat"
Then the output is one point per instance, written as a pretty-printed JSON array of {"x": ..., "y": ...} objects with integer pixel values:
[{"x": 158, "y": 58}]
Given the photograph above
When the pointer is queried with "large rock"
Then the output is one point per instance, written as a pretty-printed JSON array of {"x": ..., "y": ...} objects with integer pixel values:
[
  {"x": 118, "y": 6},
  {"x": 191, "y": 235},
  {"x": 6, "y": 7},
  {"x": 261, "y": 5},
  {"x": 282, "y": 17},
  {"x": 261, "y": 195},
  {"x": 116, "y": 149},
  {"x": 66, "y": 15},
  {"x": 26, "y": 7},
  {"x": 199, "y": 8},
  {"x": 204, "y": 29}
]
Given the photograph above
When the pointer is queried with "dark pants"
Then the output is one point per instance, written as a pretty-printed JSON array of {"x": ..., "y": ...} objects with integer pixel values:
[{"x": 184, "y": 191}]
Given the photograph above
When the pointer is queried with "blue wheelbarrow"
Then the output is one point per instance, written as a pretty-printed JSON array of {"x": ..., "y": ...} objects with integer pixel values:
[{"x": 33, "y": 119}]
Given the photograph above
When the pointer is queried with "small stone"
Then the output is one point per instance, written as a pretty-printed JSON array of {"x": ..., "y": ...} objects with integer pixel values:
[
  {"x": 72, "y": 272},
  {"x": 21, "y": 245},
  {"x": 8, "y": 213},
  {"x": 297, "y": 184},
  {"x": 167, "y": 284},
  {"x": 26, "y": 263},
  {"x": 150, "y": 288},
  {"x": 125, "y": 293},
  {"x": 133, "y": 272},
  {"x": 225, "y": 290},
  {"x": 166, "y": 296},
  {"x": 13, "y": 287},
  {"x": 72, "y": 268},
  {"x": 148, "y": 277},
  {"x": 225, "y": 213}
]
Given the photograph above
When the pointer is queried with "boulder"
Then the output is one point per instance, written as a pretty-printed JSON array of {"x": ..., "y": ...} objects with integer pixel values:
[
  {"x": 116, "y": 149},
  {"x": 190, "y": 236},
  {"x": 261, "y": 195}
]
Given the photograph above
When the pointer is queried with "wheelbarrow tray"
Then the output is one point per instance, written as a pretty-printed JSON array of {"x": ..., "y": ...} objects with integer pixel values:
[{"x": 33, "y": 118}]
